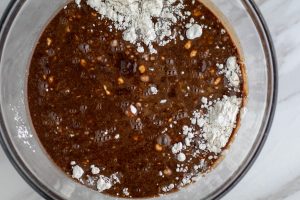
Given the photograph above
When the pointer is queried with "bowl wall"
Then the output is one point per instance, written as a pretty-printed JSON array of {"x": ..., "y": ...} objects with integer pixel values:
[{"x": 19, "y": 34}]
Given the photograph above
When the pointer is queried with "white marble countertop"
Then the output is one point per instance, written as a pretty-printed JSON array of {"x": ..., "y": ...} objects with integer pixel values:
[{"x": 276, "y": 173}]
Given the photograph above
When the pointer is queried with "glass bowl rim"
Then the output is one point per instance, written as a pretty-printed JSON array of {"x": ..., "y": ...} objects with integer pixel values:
[{"x": 5, "y": 24}]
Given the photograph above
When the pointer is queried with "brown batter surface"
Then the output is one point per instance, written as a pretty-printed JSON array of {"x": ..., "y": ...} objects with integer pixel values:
[{"x": 95, "y": 100}]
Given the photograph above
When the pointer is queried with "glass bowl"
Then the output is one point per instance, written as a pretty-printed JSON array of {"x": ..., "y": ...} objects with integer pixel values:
[{"x": 21, "y": 27}]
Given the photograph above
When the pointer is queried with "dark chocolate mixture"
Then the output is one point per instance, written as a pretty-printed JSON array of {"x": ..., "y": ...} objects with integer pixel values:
[{"x": 95, "y": 100}]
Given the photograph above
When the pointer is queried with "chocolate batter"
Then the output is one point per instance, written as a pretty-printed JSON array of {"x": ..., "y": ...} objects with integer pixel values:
[{"x": 95, "y": 100}]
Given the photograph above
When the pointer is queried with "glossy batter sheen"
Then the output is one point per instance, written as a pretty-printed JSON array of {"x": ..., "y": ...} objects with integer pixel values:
[{"x": 85, "y": 83}]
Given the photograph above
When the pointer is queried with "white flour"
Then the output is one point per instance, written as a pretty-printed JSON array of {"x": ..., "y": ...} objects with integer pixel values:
[
  {"x": 177, "y": 147},
  {"x": 77, "y": 172},
  {"x": 232, "y": 71},
  {"x": 94, "y": 169},
  {"x": 135, "y": 19},
  {"x": 168, "y": 188},
  {"x": 181, "y": 157},
  {"x": 220, "y": 122},
  {"x": 194, "y": 31},
  {"x": 125, "y": 192},
  {"x": 216, "y": 126},
  {"x": 103, "y": 183}
]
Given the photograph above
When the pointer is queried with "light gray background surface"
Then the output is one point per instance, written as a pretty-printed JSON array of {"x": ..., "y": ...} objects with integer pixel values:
[{"x": 276, "y": 173}]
